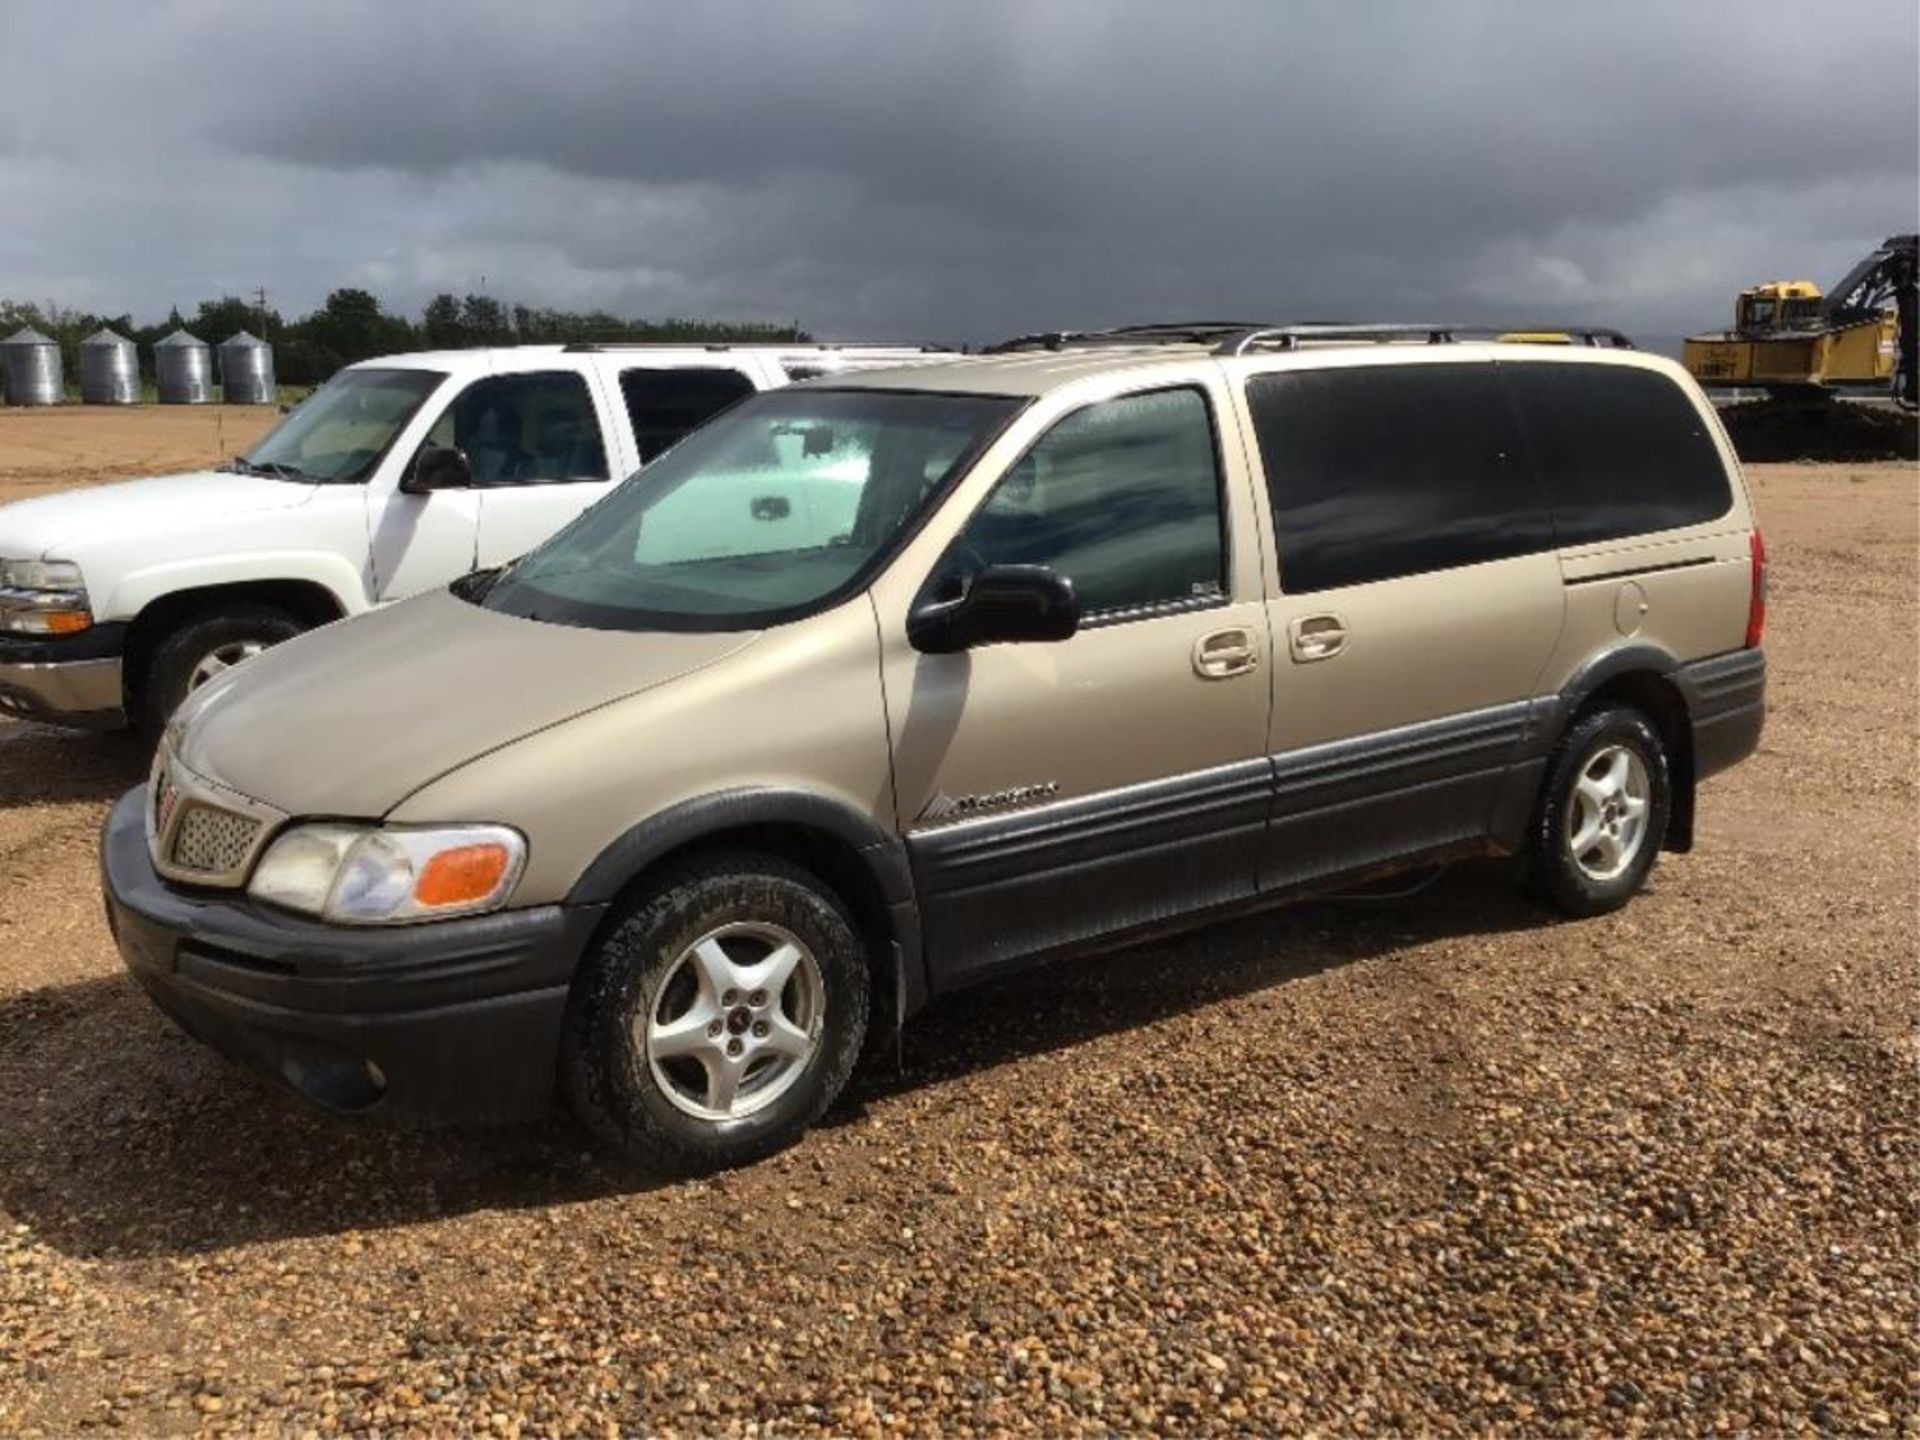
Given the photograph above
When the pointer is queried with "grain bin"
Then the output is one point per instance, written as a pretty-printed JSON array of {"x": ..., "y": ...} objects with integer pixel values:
[
  {"x": 109, "y": 369},
  {"x": 183, "y": 369},
  {"x": 246, "y": 370},
  {"x": 32, "y": 363}
]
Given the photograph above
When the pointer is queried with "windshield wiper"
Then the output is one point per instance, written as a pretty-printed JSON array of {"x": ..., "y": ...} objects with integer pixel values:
[
  {"x": 273, "y": 469},
  {"x": 475, "y": 587},
  {"x": 281, "y": 472}
]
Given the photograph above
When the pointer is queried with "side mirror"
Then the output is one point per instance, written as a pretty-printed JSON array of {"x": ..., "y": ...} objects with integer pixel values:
[
  {"x": 438, "y": 467},
  {"x": 1001, "y": 604}
]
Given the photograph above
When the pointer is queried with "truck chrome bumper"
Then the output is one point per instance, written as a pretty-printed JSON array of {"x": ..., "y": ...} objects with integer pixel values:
[{"x": 85, "y": 694}]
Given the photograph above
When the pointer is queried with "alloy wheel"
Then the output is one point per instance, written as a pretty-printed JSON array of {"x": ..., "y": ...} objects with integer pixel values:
[
  {"x": 735, "y": 1022},
  {"x": 1607, "y": 819},
  {"x": 222, "y": 657}
]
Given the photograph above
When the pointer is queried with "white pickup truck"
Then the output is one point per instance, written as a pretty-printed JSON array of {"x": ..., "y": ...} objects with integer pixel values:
[{"x": 396, "y": 476}]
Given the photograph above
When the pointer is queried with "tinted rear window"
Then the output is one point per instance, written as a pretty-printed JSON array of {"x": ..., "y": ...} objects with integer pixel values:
[
  {"x": 666, "y": 405},
  {"x": 1393, "y": 470},
  {"x": 1621, "y": 451}
]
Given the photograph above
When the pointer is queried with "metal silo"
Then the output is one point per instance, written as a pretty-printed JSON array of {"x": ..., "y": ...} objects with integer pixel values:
[
  {"x": 183, "y": 369},
  {"x": 246, "y": 370},
  {"x": 109, "y": 370},
  {"x": 32, "y": 364}
]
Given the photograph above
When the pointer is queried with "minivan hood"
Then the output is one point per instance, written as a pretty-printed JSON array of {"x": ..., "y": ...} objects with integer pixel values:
[
  {"x": 40, "y": 528},
  {"x": 350, "y": 719}
]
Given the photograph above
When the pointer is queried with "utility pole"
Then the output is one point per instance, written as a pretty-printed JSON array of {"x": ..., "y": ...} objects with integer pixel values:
[{"x": 260, "y": 302}]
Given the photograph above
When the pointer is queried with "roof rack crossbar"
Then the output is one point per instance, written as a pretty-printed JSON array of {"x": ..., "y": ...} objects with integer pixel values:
[{"x": 1290, "y": 337}]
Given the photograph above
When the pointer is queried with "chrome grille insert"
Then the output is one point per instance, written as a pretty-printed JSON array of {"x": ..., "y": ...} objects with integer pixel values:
[
  {"x": 164, "y": 796},
  {"x": 210, "y": 841}
]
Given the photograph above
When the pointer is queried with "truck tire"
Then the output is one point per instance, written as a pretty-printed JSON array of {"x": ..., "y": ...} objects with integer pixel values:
[
  {"x": 1603, "y": 812},
  {"x": 201, "y": 648},
  {"x": 717, "y": 1017}
]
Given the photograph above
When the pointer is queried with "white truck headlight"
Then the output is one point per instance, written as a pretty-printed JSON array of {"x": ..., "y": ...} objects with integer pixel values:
[
  {"x": 43, "y": 597},
  {"x": 372, "y": 875}
]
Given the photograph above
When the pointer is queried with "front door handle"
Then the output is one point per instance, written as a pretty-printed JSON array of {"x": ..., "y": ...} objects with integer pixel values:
[
  {"x": 1316, "y": 637},
  {"x": 1225, "y": 653}
]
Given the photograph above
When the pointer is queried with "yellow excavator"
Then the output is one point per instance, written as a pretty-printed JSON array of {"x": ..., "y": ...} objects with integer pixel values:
[{"x": 1788, "y": 336}]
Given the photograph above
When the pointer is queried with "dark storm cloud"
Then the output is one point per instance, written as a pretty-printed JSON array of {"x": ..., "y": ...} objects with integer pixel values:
[{"x": 963, "y": 169}]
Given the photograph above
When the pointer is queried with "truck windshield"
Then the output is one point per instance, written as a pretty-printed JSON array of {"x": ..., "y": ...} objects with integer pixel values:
[
  {"x": 338, "y": 433},
  {"x": 784, "y": 503}
]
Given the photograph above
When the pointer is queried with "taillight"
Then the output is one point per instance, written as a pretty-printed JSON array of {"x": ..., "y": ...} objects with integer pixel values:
[{"x": 1757, "y": 600}]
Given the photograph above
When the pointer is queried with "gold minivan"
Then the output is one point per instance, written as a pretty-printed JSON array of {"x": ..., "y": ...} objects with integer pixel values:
[{"x": 878, "y": 685}]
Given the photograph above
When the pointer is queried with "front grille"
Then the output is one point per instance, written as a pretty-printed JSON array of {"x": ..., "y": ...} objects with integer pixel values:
[{"x": 209, "y": 841}]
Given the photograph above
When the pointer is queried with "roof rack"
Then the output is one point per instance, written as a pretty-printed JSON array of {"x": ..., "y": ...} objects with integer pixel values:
[
  {"x": 590, "y": 347},
  {"x": 1171, "y": 332},
  {"x": 1236, "y": 337},
  {"x": 1290, "y": 337}
]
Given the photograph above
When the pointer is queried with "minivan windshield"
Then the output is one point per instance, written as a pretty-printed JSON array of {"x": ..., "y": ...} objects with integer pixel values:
[
  {"x": 338, "y": 433},
  {"x": 775, "y": 507}
]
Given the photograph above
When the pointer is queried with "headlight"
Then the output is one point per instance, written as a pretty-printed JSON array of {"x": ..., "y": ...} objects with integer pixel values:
[
  {"x": 43, "y": 597},
  {"x": 40, "y": 575},
  {"x": 360, "y": 875}
]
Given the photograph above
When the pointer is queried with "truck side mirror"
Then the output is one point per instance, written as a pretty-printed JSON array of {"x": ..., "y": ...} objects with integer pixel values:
[{"x": 438, "y": 467}]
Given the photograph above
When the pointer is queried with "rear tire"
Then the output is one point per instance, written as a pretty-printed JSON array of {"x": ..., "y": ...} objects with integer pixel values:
[
  {"x": 200, "y": 648},
  {"x": 718, "y": 1017},
  {"x": 1603, "y": 812}
]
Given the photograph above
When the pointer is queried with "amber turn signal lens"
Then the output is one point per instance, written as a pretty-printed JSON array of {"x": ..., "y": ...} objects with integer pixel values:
[
  {"x": 68, "y": 622},
  {"x": 461, "y": 876}
]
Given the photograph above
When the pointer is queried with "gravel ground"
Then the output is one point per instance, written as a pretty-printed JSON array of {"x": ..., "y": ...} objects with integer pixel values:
[{"x": 1436, "y": 1164}]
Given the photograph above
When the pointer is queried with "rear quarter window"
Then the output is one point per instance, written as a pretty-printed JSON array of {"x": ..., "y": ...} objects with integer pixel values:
[
  {"x": 1621, "y": 451},
  {"x": 1381, "y": 471},
  {"x": 667, "y": 405}
]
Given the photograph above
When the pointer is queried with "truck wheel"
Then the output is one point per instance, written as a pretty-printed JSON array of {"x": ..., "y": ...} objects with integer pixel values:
[
  {"x": 718, "y": 1017},
  {"x": 205, "y": 645},
  {"x": 1603, "y": 812}
]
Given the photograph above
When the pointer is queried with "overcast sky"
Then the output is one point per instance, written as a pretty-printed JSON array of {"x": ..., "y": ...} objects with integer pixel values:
[{"x": 956, "y": 171}]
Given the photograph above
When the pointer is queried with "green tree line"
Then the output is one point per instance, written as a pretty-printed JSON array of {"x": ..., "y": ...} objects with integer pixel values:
[{"x": 352, "y": 326}]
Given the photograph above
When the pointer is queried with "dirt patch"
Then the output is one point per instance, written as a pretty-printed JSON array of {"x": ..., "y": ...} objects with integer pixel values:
[
  {"x": 1435, "y": 1165},
  {"x": 1827, "y": 431},
  {"x": 63, "y": 446}
]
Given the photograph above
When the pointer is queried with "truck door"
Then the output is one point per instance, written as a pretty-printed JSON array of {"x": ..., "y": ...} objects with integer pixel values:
[
  {"x": 418, "y": 542},
  {"x": 538, "y": 444}
]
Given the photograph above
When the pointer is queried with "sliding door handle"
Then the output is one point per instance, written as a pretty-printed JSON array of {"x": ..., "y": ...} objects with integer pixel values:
[{"x": 1316, "y": 637}]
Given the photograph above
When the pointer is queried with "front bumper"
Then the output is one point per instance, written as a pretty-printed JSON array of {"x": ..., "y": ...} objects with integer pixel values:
[
  {"x": 74, "y": 680},
  {"x": 455, "y": 1021}
]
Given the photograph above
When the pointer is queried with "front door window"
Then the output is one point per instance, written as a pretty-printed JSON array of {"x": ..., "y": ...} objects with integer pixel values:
[
  {"x": 533, "y": 429},
  {"x": 1122, "y": 498}
]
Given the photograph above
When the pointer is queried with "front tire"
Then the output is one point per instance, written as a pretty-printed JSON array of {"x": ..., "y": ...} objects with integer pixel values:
[
  {"x": 718, "y": 1017},
  {"x": 203, "y": 647},
  {"x": 1603, "y": 813}
]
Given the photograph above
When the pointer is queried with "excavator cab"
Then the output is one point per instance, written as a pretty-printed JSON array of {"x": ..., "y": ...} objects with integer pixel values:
[{"x": 1778, "y": 305}]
